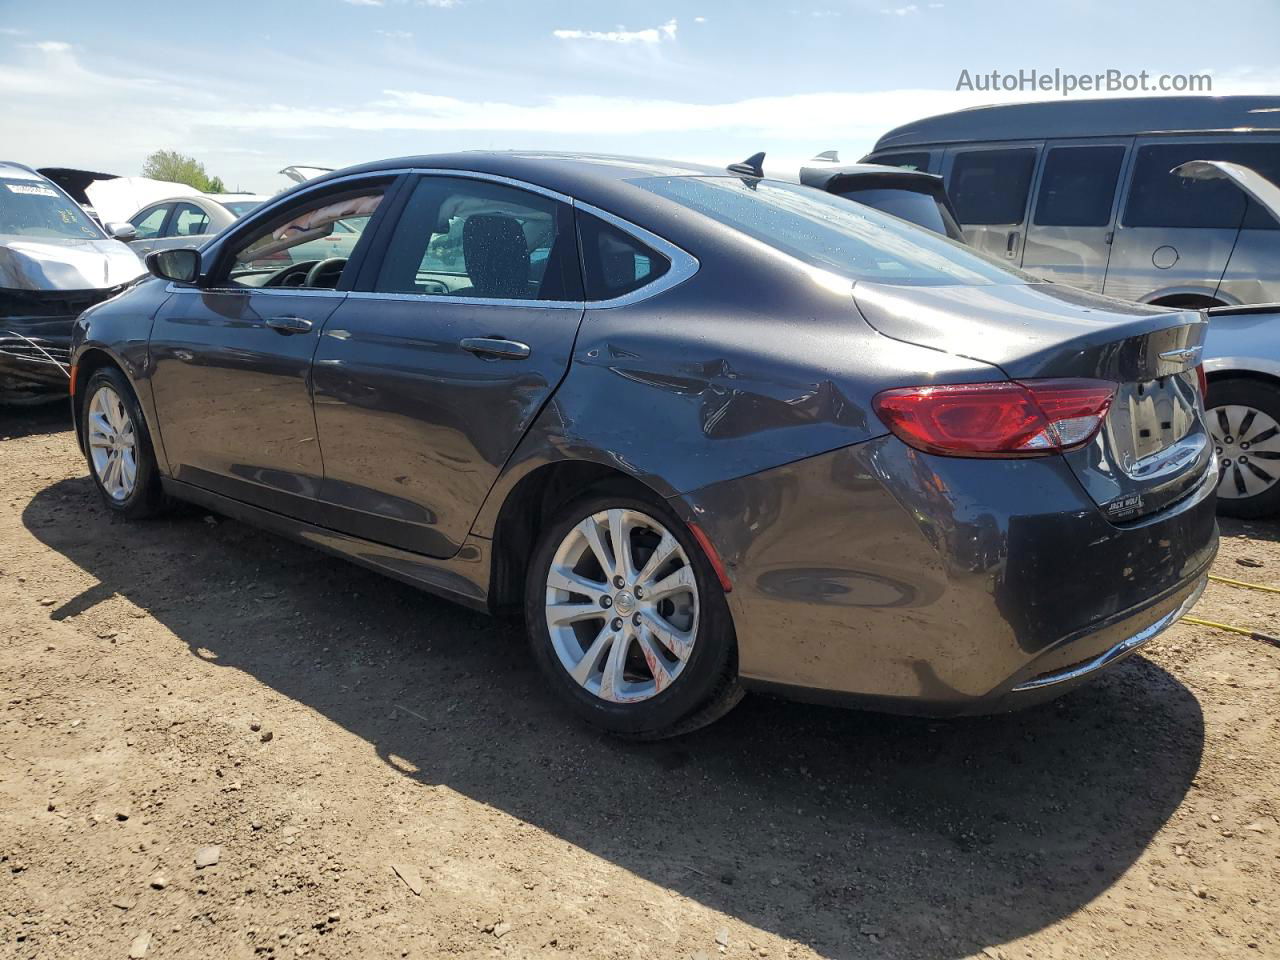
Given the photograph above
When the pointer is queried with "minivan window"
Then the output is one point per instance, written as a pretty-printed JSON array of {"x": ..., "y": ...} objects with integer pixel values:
[
  {"x": 1158, "y": 198},
  {"x": 614, "y": 262},
  {"x": 462, "y": 237},
  {"x": 828, "y": 232},
  {"x": 990, "y": 187},
  {"x": 1077, "y": 186}
]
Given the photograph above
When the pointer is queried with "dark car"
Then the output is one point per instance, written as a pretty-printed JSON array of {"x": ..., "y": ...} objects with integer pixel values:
[{"x": 707, "y": 431}]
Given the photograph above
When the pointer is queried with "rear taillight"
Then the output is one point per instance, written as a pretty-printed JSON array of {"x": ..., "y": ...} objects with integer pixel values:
[{"x": 1009, "y": 419}]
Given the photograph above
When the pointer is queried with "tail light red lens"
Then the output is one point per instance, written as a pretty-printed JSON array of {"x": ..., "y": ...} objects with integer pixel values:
[{"x": 1026, "y": 418}]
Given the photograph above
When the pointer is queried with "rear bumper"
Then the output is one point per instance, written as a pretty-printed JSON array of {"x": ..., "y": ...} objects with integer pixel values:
[{"x": 886, "y": 578}]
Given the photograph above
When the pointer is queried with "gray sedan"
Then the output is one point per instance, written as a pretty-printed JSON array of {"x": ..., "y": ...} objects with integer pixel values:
[{"x": 706, "y": 431}]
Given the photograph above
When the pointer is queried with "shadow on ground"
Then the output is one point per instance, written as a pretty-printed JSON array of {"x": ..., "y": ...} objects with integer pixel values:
[
  {"x": 30, "y": 421},
  {"x": 808, "y": 822}
]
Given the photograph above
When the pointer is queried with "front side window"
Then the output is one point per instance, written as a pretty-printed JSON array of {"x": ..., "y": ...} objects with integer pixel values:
[
  {"x": 1078, "y": 186},
  {"x": 989, "y": 187},
  {"x": 615, "y": 263},
  {"x": 149, "y": 222},
  {"x": 34, "y": 208},
  {"x": 828, "y": 232},
  {"x": 461, "y": 237},
  {"x": 1159, "y": 198},
  {"x": 321, "y": 235},
  {"x": 188, "y": 221}
]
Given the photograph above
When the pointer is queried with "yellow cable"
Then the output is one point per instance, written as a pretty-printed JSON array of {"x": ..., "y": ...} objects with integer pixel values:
[
  {"x": 1264, "y": 637},
  {"x": 1241, "y": 583}
]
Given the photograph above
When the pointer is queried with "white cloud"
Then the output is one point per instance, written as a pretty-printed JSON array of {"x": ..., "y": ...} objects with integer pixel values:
[
  {"x": 909, "y": 9},
  {"x": 395, "y": 34},
  {"x": 49, "y": 46},
  {"x": 440, "y": 4},
  {"x": 11, "y": 32},
  {"x": 699, "y": 19},
  {"x": 652, "y": 35},
  {"x": 364, "y": 3}
]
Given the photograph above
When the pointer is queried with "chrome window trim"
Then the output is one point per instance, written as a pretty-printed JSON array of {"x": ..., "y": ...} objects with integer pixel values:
[
  {"x": 495, "y": 178},
  {"x": 683, "y": 264},
  {"x": 445, "y": 298},
  {"x": 250, "y": 291}
]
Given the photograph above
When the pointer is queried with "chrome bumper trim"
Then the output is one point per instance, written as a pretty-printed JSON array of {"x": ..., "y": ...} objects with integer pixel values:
[{"x": 1122, "y": 648}]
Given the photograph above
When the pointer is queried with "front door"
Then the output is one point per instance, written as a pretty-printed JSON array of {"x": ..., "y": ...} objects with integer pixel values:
[
  {"x": 429, "y": 374},
  {"x": 989, "y": 186},
  {"x": 231, "y": 367},
  {"x": 1070, "y": 231}
]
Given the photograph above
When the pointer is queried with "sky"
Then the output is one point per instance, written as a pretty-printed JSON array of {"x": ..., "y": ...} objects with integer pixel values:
[{"x": 249, "y": 87}]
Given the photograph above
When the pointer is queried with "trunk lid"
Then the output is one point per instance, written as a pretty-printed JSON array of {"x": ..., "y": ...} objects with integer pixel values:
[{"x": 1153, "y": 448}]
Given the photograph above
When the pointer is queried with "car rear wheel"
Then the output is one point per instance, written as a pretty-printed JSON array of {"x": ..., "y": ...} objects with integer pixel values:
[
  {"x": 628, "y": 620},
  {"x": 1244, "y": 419},
  {"x": 118, "y": 447}
]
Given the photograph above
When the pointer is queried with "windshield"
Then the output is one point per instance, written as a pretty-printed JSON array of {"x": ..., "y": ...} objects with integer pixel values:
[
  {"x": 30, "y": 208},
  {"x": 832, "y": 234},
  {"x": 239, "y": 208}
]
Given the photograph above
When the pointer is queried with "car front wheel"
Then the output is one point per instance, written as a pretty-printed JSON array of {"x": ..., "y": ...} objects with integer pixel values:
[
  {"x": 118, "y": 447},
  {"x": 628, "y": 620}
]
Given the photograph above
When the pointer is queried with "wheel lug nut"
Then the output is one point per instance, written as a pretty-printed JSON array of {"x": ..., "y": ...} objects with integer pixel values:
[
  {"x": 606, "y": 601},
  {"x": 635, "y": 619},
  {"x": 617, "y": 623},
  {"x": 619, "y": 582},
  {"x": 639, "y": 593}
]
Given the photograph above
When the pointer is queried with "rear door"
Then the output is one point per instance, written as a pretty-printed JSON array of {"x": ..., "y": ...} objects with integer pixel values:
[
  {"x": 461, "y": 326},
  {"x": 990, "y": 187},
  {"x": 1175, "y": 234},
  {"x": 1070, "y": 232}
]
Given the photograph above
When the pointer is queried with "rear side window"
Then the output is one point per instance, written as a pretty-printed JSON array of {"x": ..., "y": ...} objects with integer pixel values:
[
  {"x": 615, "y": 263},
  {"x": 907, "y": 161},
  {"x": 188, "y": 221},
  {"x": 990, "y": 187},
  {"x": 461, "y": 237},
  {"x": 1078, "y": 186},
  {"x": 1158, "y": 198}
]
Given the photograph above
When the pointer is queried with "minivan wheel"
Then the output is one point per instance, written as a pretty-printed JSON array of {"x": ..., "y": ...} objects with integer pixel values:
[
  {"x": 118, "y": 447},
  {"x": 1244, "y": 420},
  {"x": 628, "y": 621}
]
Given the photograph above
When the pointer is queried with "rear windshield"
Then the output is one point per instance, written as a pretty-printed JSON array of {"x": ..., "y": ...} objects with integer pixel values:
[
  {"x": 832, "y": 234},
  {"x": 239, "y": 208},
  {"x": 30, "y": 208}
]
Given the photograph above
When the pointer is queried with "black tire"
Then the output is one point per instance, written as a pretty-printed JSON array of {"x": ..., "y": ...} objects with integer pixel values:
[
  {"x": 1264, "y": 397},
  {"x": 146, "y": 499},
  {"x": 706, "y": 687}
]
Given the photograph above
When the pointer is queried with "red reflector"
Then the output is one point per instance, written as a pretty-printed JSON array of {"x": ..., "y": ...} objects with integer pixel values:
[
  {"x": 71, "y": 387},
  {"x": 1008, "y": 419},
  {"x": 709, "y": 549},
  {"x": 1203, "y": 379}
]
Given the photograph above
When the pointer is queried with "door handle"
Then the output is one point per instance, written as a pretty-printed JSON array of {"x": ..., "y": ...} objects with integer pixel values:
[
  {"x": 493, "y": 347},
  {"x": 289, "y": 325},
  {"x": 1011, "y": 245}
]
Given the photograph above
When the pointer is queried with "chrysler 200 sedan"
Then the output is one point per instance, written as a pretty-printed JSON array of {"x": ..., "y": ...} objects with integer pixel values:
[{"x": 707, "y": 431}]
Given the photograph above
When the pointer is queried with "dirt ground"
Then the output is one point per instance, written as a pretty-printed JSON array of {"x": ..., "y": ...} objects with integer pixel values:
[{"x": 190, "y": 683}]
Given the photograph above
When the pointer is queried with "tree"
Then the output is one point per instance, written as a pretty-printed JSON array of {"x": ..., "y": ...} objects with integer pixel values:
[{"x": 179, "y": 168}]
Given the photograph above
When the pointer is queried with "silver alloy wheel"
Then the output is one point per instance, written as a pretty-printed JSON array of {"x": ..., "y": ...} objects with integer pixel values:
[
  {"x": 112, "y": 443},
  {"x": 622, "y": 606},
  {"x": 1248, "y": 446}
]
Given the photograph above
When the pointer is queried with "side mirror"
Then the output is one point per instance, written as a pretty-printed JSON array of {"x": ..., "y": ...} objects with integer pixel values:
[
  {"x": 180, "y": 266},
  {"x": 124, "y": 232}
]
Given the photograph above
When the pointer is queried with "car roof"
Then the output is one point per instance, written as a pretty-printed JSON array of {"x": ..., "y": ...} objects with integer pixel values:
[
  {"x": 237, "y": 197},
  {"x": 18, "y": 171},
  {"x": 1120, "y": 116},
  {"x": 583, "y": 175}
]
